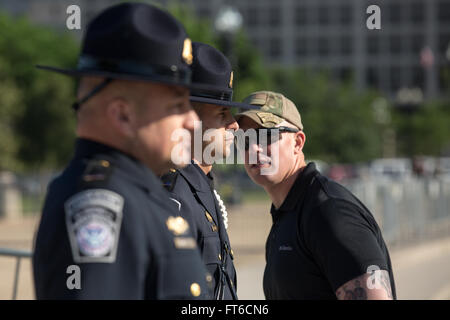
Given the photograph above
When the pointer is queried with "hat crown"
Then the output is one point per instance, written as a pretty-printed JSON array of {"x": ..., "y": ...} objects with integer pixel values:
[
  {"x": 274, "y": 108},
  {"x": 136, "y": 32},
  {"x": 212, "y": 68}
]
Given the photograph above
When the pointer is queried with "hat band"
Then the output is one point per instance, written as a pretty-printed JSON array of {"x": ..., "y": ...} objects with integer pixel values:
[
  {"x": 88, "y": 63},
  {"x": 222, "y": 95}
]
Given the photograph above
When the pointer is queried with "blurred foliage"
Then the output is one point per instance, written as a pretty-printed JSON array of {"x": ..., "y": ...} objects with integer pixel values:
[
  {"x": 338, "y": 120},
  {"x": 37, "y": 123},
  {"x": 425, "y": 130},
  {"x": 35, "y": 104},
  {"x": 11, "y": 108}
]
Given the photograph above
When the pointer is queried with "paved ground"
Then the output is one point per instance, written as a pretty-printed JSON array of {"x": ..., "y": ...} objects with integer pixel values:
[{"x": 421, "y": 271}]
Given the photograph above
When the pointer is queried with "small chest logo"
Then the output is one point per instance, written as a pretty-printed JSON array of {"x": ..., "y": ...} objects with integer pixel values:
[{"x": 285, "y": 248}]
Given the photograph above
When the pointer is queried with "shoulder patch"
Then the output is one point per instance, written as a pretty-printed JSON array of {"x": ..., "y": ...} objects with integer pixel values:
[
  {"x": 93, "y": 220},
  {"x": 169, "y": 179}
]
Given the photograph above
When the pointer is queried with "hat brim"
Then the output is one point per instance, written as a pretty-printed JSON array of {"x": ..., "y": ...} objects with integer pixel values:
[
  {"x": 252, "y": 114},
  {"x": 224, "y": 103},
  {"x": 125, "y": 76}
]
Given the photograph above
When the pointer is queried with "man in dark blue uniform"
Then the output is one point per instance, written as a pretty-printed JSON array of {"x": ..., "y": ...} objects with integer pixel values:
[
  {"x": 192, "y": 188},
  {"x": 107, "y": 215}
]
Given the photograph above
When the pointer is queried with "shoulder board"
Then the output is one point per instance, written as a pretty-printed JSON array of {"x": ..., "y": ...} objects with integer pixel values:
[
  {"x": 169, "y": 179},
  {"x": 97, "y": 172}
]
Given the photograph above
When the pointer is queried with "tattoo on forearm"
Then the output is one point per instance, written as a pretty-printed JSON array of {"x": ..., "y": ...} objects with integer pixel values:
[{"x": 357, "y": 293}]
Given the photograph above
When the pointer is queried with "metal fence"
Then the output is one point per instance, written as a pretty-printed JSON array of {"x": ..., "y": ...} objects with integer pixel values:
[
  {"x": 407, "y": 210},
  {"x": 18, "y": 254}
]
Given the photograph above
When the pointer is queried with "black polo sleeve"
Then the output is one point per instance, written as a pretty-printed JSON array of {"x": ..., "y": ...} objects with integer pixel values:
[{"x": 343, "y": 241}]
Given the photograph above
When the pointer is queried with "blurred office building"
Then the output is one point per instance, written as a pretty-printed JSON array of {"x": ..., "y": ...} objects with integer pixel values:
[{"x": 409, "y": 52}]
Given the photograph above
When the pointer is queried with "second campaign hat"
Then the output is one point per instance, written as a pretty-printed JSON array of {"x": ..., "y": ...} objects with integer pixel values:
[
  {"x": 212, "y": 72},
  {"x": 273, "y": 108},
  {"x": 134, "y": 41}
]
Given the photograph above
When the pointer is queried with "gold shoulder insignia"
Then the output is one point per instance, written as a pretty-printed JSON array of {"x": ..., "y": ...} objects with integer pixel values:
[
  {"x": 177, "y": 225},
  {"x": 187, "y": 51}
]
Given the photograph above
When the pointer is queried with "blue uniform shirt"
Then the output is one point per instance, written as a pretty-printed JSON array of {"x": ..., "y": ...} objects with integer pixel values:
[
  {"x": 108, "y": 215},
  {"x": 192, "y": 192}
]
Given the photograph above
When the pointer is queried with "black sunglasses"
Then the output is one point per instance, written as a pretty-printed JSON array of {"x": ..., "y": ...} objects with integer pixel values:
[{"x": 275, "y": 132}]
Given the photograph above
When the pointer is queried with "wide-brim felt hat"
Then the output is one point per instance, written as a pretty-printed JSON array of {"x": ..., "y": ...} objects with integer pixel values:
[
  {"x": 135, "y": 41},
  {"x": 212, "y": 73}
]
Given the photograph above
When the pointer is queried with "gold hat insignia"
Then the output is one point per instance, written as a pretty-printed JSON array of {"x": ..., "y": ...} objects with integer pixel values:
[
  {"x": 231, "y": 80},
  {"x": 177, "y": 225},
  {"x": 187, "y": 51}
]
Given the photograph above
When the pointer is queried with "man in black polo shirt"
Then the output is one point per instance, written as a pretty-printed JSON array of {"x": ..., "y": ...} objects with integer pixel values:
[{"x": 324, "y": 243}]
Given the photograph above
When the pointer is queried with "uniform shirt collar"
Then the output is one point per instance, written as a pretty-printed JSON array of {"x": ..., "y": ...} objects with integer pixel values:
[
  {"x": 297, "y": 192},
  {"x": 136, "y": 171},
  {"x": 197, "y": 178}
]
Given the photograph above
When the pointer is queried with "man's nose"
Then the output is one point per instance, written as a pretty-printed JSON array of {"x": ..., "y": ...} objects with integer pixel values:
[
  {"x": 255, "y": 148},
  {"x": 190, "y": 117},
  {"x": 233, "y": 125}
]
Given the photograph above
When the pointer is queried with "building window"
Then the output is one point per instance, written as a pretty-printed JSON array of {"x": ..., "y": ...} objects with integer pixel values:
[
  {"x": 346, "y": 45},
  {"x": 417, "y": 12},
  {"x": 394, "y": 13},
  {"x": 323, "y": 15},
  {"x": 274, "y": 16},
  {"x": 252, "y": 17},
  {"x": 444, "y": 42},
  {"x": 345, "y": 15},
  {"x": 395, "y": 44},
  {"x": 417, "y": 43},
  {"x": 372, "y": 77},
  {"x": 323, "y": 47},
  {"x": 396, "y": 78},
  {"x": 372, "y": 45},
  {"x": 301, "y": 47},
  {"x": 300, "y": 16},
  {"x": 275, "y": 48},
  {"x": 418, "y": 77},
  {"x": 444, "y": 11}
]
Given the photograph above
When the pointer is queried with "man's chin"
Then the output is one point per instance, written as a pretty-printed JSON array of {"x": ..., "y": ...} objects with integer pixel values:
[{"x": 256, "y": 173}]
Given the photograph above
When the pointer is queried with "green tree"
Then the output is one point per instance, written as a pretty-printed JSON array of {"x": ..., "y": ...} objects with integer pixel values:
[
  {"x": 11, "y": 108},
  {"x": 338, "y": 121},
  {"x": 425, "y": 131},
  {"x": 43, "y": 126}
]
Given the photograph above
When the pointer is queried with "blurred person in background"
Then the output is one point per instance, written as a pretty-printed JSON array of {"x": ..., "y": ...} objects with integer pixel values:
[
  {"x": 324, "y": 243},
  {"x": 107, "y": 213}
]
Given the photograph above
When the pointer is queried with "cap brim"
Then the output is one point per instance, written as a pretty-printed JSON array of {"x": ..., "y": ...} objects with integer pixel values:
[
  {"x": 252, "y": 114},
  {"x": 124, "y": 76},
  {"x": 224, "y": 103}
]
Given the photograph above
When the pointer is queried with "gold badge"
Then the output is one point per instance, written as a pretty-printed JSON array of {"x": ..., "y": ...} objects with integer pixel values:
[
  {"x": 187, "y": 51},
  {"x": 177, "y": 225},
  {"x": 231, "y": 80},
  {"x": 208, "y": 216},
  {"x": 195, "y": 289}
]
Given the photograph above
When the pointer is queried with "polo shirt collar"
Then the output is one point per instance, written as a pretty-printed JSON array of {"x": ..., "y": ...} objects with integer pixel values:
[{"x": 297, "y": 192}]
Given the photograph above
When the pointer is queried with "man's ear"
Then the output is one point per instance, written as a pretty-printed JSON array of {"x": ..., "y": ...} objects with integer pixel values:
[
  {"x": 300, "y": 139},
  {"x": 121, "y": 116}
]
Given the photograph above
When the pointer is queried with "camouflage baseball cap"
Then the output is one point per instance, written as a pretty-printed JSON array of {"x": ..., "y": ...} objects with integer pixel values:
[{"x": 274, "y": 109}]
